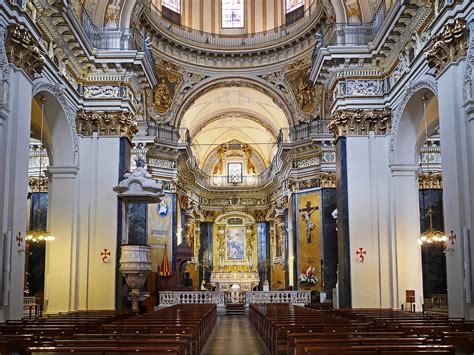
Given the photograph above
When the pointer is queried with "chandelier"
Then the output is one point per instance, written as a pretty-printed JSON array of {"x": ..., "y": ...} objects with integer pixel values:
[
  {"x": 38, "y": 235},
  {"x": 431, "y": 235}
]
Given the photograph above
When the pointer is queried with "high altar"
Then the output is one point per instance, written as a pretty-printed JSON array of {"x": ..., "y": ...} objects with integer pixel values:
[{"x": 235, "y": 255}]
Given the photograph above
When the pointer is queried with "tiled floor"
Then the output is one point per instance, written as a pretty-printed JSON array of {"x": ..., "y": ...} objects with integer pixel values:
[{"x": 234, "y": 335}]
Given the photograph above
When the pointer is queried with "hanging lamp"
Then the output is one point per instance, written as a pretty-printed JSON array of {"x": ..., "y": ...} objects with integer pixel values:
[
  {"x": 38, "y": 235},
  {"x": 431, "y": 235}
]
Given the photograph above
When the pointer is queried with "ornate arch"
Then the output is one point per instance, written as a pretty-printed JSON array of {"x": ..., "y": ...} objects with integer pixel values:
[
  {"x": 57, "y": 90},
  {"x": 410, "y": 89},
  {"x": 4, "y": 77},
  {"x": 233, "y": 82}
]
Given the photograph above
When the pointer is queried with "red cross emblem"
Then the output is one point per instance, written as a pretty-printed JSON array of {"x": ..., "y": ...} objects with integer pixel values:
[
  {"x": 19, "y": 239},
  {"x": 452, "y": 237},
  {"x": 105, "y": 255},
  {"x": 361, "y": 253}
]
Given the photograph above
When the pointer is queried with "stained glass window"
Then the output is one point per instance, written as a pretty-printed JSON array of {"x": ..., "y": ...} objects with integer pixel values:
[
  {"x": 234, "y": 171},
  {"x": 233, "y": 13},
  {"x": 174, "y": 5},
  {"x": 292, "y": 5}
]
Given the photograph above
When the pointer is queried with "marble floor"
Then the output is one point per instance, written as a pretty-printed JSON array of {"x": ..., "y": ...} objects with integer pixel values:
[{"x": 234, "y": 335}]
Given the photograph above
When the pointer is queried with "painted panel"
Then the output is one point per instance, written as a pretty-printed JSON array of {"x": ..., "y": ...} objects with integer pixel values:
[
  {"x": 174, "y": 5},
  {"x": 160, "y": 220},
  {"x": 233, "y": 13},
  {"x": 309, "y": 233}
]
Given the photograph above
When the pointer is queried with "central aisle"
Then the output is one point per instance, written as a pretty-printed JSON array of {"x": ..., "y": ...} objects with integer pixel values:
[{"x": 234, "y": 335}]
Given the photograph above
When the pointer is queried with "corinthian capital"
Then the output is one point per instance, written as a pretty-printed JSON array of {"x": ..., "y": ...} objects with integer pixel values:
[
  {"x": 23, "y": 52},
  {"x": 115, "y": 123},
  {"x": 360, "y": 122},
  {"x": 448, "y": 47}
]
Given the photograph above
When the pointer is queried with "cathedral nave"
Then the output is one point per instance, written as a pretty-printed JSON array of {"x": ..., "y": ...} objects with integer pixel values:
[{"x": 236, "y": 176}]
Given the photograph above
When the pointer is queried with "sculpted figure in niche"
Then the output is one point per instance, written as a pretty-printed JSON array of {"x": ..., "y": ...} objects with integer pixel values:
[{"x": 162, "y": 97}]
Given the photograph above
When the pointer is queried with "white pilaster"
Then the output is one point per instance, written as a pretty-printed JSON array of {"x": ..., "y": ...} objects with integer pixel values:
[
  {"x": 14, "y": 146},
  {"x": 60, "y": 263},
  {"x": 367, "y": 186},
  {"x": 406, "y": 253},
  {"x": 456, "y": 152}
]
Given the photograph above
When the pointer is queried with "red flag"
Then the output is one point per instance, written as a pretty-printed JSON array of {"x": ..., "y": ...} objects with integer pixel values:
[{"x": 165, "y": 269}]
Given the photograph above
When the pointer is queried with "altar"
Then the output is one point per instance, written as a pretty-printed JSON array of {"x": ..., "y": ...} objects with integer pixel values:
[{"x": 223, "y": 280}]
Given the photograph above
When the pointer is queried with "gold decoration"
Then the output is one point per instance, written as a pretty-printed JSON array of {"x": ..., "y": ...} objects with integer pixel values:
[
  {"x": 328, "y": 180},
  {"x": 306, "y": 96},
  {"x": 360, "y": 123},
  {"x": 37, "y": 184},
  {"x": 448, "y": 47},
  {"x": 303, "y": 89},
  {"x": 430, "y": 181},
  {"x": 162, "y": 97},
  {"x": 116, "y": 123},
  {"x": 23, "y": 51}
]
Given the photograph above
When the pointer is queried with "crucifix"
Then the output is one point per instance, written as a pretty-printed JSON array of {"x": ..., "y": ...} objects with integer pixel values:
[{"x": 306, "y": 215}]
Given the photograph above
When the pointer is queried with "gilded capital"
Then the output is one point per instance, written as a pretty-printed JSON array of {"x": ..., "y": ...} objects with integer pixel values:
[
  {"x": 448, "y": 47},
  {"x": 114, "y": 123},
  {"x": 360, "y": 122},
  {"x": 23, "y": 52},
  {"x": 428, "y": 181},
  {"x": 37, "y": 184}
]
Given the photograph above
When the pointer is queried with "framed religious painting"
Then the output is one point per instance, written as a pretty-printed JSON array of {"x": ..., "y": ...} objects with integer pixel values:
[{"x": 235, "y": 244}]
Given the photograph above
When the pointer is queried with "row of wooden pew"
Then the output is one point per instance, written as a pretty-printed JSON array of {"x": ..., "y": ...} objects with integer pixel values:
[
  {"x": 179, "y": 330},
  {"x": 297, "y": 330}
]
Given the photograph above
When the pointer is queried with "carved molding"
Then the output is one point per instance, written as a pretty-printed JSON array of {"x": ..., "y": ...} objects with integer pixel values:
[
  {"x": 58, "y": 91},
  {"x": 468, "y": 73},
  {"x": 448, "y": 47},
  {"x": 430, "y": 181},
  {"x": 4, "y": 77},
  {"x": 115, "y": 123},
  {"x": 410, "y": 89},
  {"x": 360, "y": 122},
  {"x": 23, "y": 51}
]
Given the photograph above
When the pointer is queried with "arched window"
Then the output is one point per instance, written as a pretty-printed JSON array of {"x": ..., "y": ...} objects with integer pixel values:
[
  {"x": 171, "y": 10},
  {"x": 233, "y": 13},
  {"x": 174, "y": 5},
  {"x": 294, "y": 11},
  {"x": 292, "y": 5}
]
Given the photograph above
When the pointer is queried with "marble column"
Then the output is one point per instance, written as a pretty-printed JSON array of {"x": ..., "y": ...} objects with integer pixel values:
[
  {"x": 25, "y": 61},
  {"x": 446, "y": 54},
  {"x": 362, "y": 202}
]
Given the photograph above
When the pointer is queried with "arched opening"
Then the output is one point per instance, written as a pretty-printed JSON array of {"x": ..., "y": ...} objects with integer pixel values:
[
  {"x": 417, "y": 186},
  {"x": 50, "y": 165}
]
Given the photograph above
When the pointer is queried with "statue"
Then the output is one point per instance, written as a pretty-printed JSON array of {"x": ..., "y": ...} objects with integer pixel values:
[
  {"x": 306, "y": 215},
  {"x": 162, "y": 97}
]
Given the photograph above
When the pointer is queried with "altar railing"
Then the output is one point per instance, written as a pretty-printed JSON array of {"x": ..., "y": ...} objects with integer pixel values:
[
  {"x": 170, "y": 298},
  {"x": 292, "y": 297}
]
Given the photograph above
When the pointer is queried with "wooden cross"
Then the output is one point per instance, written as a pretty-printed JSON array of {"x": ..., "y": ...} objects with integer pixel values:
[{"x": 306, "y": 215}]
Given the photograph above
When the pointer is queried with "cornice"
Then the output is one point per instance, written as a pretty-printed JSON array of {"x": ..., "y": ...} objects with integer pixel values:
[
  {"x": 23, "y": 51},
  {"x": 360, "y": 122},
  {"x": 448, "y": 47},
  {"x": 115, "y": 123}
]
